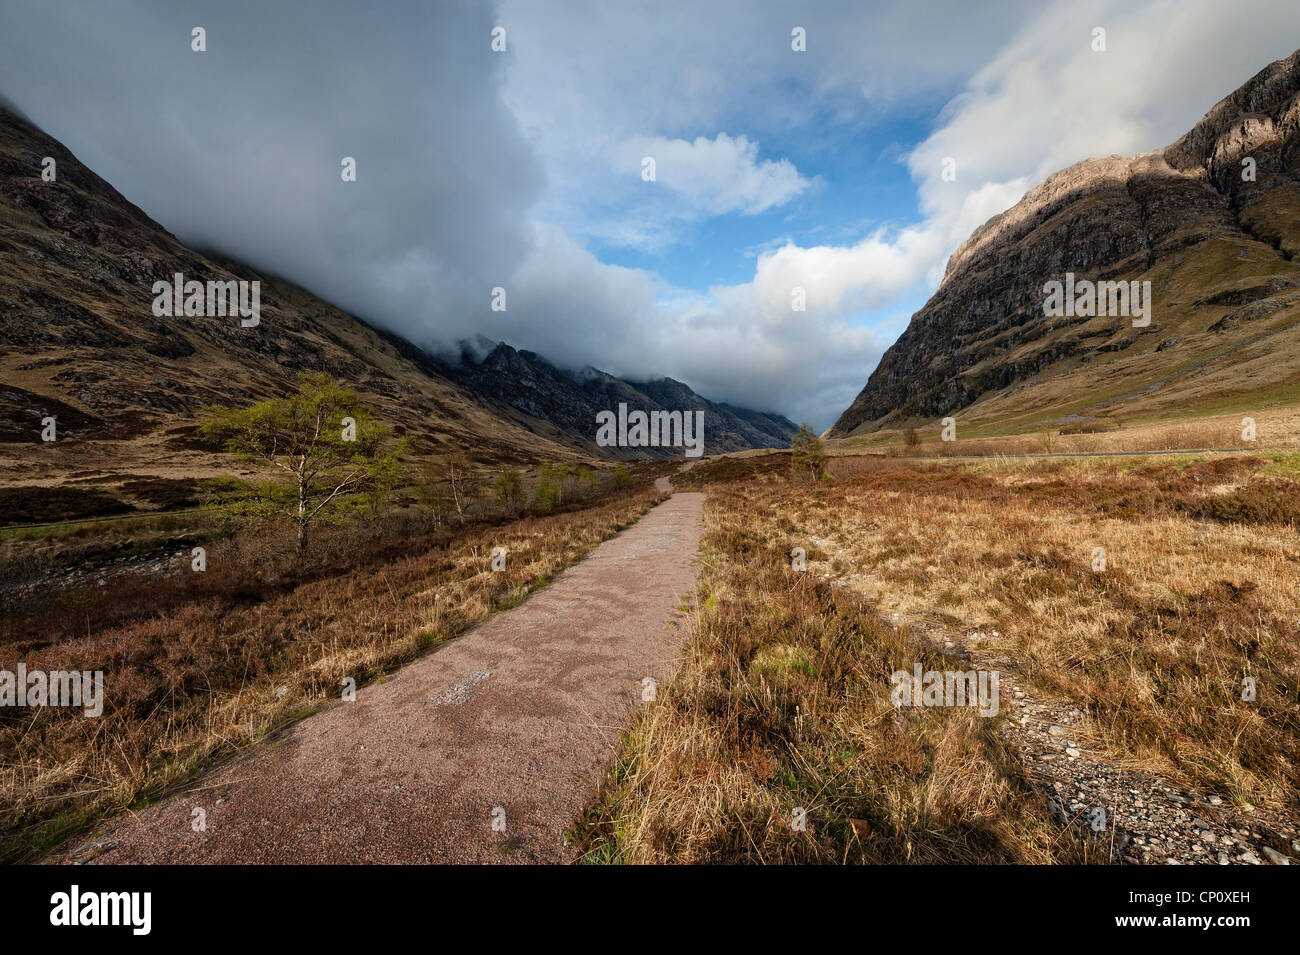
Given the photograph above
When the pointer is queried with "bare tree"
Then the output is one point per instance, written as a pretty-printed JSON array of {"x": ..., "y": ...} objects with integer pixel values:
[{"x": 462, "y": 482}]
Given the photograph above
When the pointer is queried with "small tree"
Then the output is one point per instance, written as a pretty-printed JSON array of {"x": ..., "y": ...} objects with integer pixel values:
[
  {"x": 807, "y": 456},
  {"x": 911, "y": 437},
  {"x": 621, "y": 476},
  {"x": 508, "y": 488},
  {"x": 321, "y": 436},
  {"x": 462, "y": 482},
  {"x": 431, "y": 491},
  {"x": 549, "y": 494}
]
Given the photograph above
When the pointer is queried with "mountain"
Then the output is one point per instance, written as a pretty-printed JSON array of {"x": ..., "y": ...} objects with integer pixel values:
[
  {"x": 1216, "y": 245},
  {"x": 80, "y": 342},
  {"x": 527, "y": 383}
]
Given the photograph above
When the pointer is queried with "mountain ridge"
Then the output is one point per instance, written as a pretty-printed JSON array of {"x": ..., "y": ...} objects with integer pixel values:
[
  {"x": 570, "y": 399},
  {"x": 1218, "y": 249}
]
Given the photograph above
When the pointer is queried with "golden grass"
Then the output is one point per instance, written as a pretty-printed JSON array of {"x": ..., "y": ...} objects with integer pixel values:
[
  {"x": 783, "y": 698},
  {"x": 1200, "y": 590},
  {"x": 782, "y": 703},
  {"x": 1274, "y": 428}
]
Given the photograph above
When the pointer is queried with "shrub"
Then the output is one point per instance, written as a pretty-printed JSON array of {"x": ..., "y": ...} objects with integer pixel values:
[
  {"x": 548, "y": 494},
  {"x": 807, "y": 456},
  {"x": 508, "y": 488}
]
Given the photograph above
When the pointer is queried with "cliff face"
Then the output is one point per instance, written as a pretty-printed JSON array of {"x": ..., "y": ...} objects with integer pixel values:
[{"x": 1217, "y": 248}]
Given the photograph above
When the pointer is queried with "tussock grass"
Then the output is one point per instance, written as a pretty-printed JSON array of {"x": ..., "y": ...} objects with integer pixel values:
[
  {"x": 1201, "y": 589},
  {"x": 782, "y": 702}
]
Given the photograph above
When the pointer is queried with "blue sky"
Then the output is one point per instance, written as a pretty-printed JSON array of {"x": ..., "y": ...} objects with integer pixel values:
[
  {"x": 840, "y": 157},
  {"x": 859, "y": 183},
  {"x": 521, "y": 169}
]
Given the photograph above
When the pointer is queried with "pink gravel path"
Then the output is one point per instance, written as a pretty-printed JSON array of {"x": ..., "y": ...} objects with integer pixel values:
[{"x": 521, "y": 714}]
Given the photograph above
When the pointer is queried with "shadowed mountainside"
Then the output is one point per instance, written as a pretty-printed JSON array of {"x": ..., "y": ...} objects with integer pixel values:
[{"x": 528, "y": 383}]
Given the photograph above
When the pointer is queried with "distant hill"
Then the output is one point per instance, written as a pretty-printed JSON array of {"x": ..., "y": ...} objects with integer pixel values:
[
  {"x": 570, "y": 400},
  {"x": 1216, "y": 243}
]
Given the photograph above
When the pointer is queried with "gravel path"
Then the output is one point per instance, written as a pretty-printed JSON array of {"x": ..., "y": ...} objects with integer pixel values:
[{"x": 483, "y": 751}]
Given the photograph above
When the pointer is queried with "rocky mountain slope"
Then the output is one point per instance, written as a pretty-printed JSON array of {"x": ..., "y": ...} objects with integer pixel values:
[
  {"x": 1215, "y": 242},
  {"x": 526, "y": 382},
  {"x": 79, "y": 342}
]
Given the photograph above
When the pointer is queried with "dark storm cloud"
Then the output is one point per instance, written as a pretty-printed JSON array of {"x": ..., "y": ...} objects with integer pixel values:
[{"x": 239, "y": 148}]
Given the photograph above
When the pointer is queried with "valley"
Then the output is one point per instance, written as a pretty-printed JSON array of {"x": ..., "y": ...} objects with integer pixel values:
[{"x": 441, "y": 589}]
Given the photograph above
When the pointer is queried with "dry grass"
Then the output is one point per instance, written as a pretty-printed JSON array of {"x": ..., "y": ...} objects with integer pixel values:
[
  {"x": 1277, "y": 428},
  {"x": 195, "y": 679},
  {"x": 1200, "y": 590},
  {"x": 783, "y": 703},
  {"x": 783, "y": 699}
]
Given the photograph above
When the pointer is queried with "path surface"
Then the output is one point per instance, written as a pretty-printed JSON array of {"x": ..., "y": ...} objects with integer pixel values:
[{"x": 520, "y": 715}]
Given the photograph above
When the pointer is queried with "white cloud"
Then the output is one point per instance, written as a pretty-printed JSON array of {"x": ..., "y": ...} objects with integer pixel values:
[
  {"x": 1043, "y": 101},
  {"x": 583, "y": 85},
  {"x": 718, "y": 175},
  {"x": 1047, "y": 100},
  {"x": 732, "y": 344}
]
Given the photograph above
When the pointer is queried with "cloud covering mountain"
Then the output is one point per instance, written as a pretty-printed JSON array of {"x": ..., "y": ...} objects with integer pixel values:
[{"x": 521, "y": 169}]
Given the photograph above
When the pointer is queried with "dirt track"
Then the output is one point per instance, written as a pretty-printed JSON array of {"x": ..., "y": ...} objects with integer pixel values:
[{"x": 515, "y": 721}]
